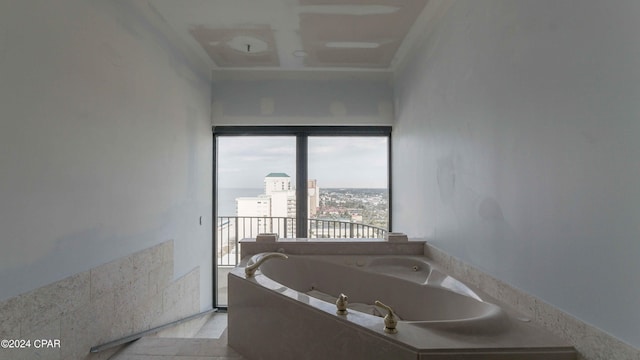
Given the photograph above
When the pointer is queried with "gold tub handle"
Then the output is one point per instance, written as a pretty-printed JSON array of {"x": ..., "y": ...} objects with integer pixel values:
[
  {"x": 341, "y": 304},
  {"x": 390, "y": 321}
]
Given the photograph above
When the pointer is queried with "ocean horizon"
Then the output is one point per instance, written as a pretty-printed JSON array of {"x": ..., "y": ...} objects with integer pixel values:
[{"x": 227, "y": 198}]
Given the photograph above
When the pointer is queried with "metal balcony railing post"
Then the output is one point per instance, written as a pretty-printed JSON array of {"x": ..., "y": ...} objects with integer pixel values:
[
  {"x": 228, "y": 244},
  {"x": 235, "y": 225}
]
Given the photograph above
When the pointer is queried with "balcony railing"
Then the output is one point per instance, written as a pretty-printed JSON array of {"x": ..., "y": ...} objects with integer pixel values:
[{"x": 231, "y": 229}]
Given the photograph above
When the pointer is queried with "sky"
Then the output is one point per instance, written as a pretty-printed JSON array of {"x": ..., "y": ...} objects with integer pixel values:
[{"x": 335, "y": 162}]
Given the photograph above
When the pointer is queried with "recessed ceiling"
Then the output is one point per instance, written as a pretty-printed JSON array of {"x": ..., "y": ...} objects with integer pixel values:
[{"x": 293, "y": 34}]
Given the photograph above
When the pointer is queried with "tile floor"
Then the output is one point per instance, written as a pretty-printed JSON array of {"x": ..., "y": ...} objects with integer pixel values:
[{"x": 209, "y": 343}]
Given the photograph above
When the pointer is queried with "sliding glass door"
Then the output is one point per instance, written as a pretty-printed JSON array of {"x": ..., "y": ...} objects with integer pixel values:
[
  {"x": 317, "y": 182},
  {"x": 348, "y": 186},
  {"x": 254, "y": 177}
]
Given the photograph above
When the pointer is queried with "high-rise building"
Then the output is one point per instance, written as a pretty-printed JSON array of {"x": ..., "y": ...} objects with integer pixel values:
[
  {"x": 277, "y": 203},
  {"x": 254, "y": 206},
  {"x": 276, "y": 182},
  {"x": 313, "y": 193}
]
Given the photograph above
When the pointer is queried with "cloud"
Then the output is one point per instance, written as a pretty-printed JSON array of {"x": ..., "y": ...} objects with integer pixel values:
[
  {"x": 225, "y": 170},
  {"x": 333, "y": 161}
]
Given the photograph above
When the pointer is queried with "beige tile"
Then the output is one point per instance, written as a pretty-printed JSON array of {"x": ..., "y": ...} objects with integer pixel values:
[
  {"x": 204, "y": 347},
  {"x": 159, "y": 278},
  {"x": 194, "y": 291},
  {"x": 177, "y": 331},
  {"x": 121, "y": 324},
  {"x": 187, "y": 329},
  {"x": 86, "y": 327},
  {"x": 149, "y": 258},
  {"x": 439, "y": 257},
  {"x": 590, "y": 342},
  {"x": 547, "y": 316},
  {"x": 154, "y": 346},
  {"x": 110, "y": 276},
  {"x": 25, "y": 353},
  {"x": 50, "y": 330},
  {"x": 142, "y": 261},
  {"x": 176, "y": 312},
  {"x": 214, "y": 327},
  {"x": 10, "y": 318},
  {"x": 519, "y": 300},
  {"x": 181, "y": 289},
  {"x": 167, "y": 251},
  {"x": 39, "y": 349},
  {"x": 625, "y": 351},
  {"x": 147, "y": 313},
  {"x": 133, "y": 294},
  {"x": 173, "y": 293},
  {"x": 597, "y": 345},
  {"x": 97, "y": 306},
  {"x": 49, "y": 302}
]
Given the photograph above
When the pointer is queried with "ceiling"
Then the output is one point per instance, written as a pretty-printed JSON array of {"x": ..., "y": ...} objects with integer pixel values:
[{"x": 293, "y": 34}]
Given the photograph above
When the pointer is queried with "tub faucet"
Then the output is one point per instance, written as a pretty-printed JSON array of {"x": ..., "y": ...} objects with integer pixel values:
[
  {"x": 341, "y": 304},
  {"x": 251, "y": 269},
  {"x": 390, "y": 320}
]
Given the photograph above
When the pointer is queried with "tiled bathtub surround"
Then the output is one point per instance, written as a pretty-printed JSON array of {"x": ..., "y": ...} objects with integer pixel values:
[
  {"x": 591, "y": 343},
  {"x": 116, "y": 299}
]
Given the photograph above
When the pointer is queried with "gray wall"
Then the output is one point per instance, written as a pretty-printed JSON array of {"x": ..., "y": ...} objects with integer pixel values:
[
  {"x": 516, "y": 149},
  {"x": 328, "y": 98},
  {"x": 105, "y": 143}
]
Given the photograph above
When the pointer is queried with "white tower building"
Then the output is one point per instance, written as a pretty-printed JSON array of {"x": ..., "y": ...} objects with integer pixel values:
[
  {"x": 277, "y": 202},
  {"x": 276, "y": 182}
]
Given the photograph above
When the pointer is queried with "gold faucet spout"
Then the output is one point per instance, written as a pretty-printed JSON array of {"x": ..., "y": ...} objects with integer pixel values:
[{"x": 251, "y": 269}]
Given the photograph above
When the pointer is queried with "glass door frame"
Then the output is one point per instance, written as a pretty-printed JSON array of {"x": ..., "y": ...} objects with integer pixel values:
[{"x": 302, "y": 133}]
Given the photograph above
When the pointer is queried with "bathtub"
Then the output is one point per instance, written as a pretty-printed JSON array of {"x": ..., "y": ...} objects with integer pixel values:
[{"x": 287, "y": 311}]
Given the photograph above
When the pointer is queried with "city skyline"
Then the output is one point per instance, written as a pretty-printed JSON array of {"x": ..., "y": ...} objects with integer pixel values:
[{"x": 278, "y": 200}]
